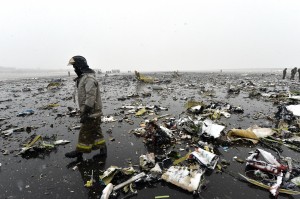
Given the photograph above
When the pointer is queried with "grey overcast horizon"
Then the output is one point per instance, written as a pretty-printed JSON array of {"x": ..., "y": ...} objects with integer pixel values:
[{"x": 154, "y": 35}]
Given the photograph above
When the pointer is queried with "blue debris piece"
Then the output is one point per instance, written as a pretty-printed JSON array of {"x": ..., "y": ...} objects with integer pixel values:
[{"x": 26, "y": 112}]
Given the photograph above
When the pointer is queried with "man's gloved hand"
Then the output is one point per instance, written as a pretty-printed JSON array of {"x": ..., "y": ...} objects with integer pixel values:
[{"x": 85, "y": 115}]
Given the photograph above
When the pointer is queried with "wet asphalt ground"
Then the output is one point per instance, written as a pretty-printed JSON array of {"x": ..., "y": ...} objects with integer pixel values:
[{"x": 48, "y": 174}]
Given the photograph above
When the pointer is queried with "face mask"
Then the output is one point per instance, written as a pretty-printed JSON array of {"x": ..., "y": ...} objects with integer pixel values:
[{"x": 77, "y": 71}]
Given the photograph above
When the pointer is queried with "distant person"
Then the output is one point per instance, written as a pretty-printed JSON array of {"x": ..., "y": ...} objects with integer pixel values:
[
  {"x": 293, "y": 73},
  {"x": 299, "y": 74},
  {"x": 137, "y": 75},
  {"x": 90, "y": 105},
  {"x": 69, "y": 73},
  {"x": 284, "y": 73}
]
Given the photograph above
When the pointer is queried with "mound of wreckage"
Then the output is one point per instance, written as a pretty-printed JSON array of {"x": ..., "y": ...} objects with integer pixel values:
[{"x": 198, "y": 128}]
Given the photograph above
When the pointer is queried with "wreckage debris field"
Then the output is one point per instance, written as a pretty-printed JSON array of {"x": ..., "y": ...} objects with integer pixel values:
[{"x": 205, "y": 126}]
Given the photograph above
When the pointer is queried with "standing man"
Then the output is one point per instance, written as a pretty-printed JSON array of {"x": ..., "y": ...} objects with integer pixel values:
[
  {"x": 90, "y": 105},
  {"x": 299, "y": 73},
  {"x": 284, "y": 73},
  {"x": 293, "y": 73}
]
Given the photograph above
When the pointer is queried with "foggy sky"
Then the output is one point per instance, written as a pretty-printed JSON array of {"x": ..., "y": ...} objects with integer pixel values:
[{"x": 150, "y": 35}]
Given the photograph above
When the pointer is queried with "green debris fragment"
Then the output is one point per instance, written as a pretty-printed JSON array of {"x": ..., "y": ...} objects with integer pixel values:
[
  {"x": 193, "y": 103},
  {"x": 90, "y": 182},
  {"x": 49, "y": 106},
  {"x": 238, "y": 160},
  {"x": 47, "y": 145},
  {"x": 141, "y": 112},
  {"x": 158, "y": 197},
  {"x": 216, "y": 115},
  {"x": 109, "y": 174},
  {"x": 289, "y": 145},
  {"x": 53, "y": 85},
  {"x": 296, "y": 181},
  {"x": 35, "y": 139},
  {"x": 126, "y": 189},
  {"x": 30, "y": 144},
  {"x": 219, "y": 167},
  {"x": 286, "y": 191},
  {"x": 143, "y": 78},
  {"x": 295, "y": 92},
  {"x": 128, "y": 171},
  {"x": 178, "y": 161},
  {"x": 173, "y": 155}
]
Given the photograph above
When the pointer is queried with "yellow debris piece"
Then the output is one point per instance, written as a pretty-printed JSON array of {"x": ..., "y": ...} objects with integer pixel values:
[{"x": 141, "y": 112}]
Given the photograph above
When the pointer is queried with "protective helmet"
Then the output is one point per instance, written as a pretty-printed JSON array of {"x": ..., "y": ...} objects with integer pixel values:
[{"x": 80, "y": 64}]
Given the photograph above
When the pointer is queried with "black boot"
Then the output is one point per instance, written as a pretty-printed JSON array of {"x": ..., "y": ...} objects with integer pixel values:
[{"x": 74, "y": 154}]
